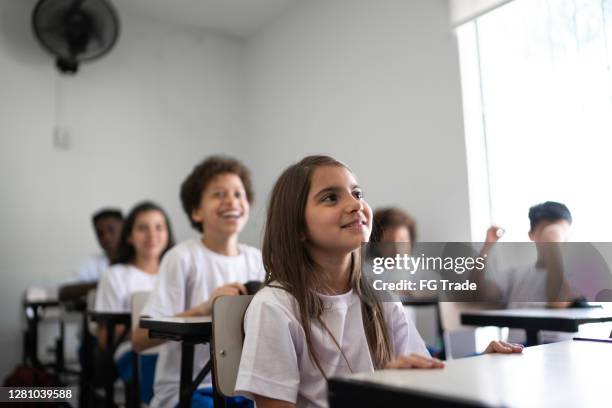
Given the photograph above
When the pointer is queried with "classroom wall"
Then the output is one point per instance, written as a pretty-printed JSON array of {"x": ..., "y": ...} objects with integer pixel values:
[
  {"x": 375, "y": 84},
  {"x": 138, "y": 120}
]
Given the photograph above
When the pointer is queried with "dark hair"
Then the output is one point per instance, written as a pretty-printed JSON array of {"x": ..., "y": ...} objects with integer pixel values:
[
  {"x": 106, "y": 213},
  {"x": 126, "y": 252},
  {"x": 288, "y": 261},
  {"x": 197, "y": 181},
  {"x": 386, "y": 218},
  {"x": 548, "y": 211}
]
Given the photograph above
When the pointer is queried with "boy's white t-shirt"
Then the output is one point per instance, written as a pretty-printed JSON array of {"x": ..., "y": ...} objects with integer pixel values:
[
  {"x": 523, "y": 286},
  {"x": 188, "y": 275},
  {"x": 275, "y": 362},
  {"x": 114, "y": 292},
  {"x": 92, "y": 268}
]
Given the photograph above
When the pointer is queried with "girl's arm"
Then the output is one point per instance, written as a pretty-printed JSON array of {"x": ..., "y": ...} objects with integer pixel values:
[
  {"x": 415, "y": 361},
  {"x": 141, "y": 340},
  {"x": 265, "y": 402},
  {"x": 119, "y": 329}
]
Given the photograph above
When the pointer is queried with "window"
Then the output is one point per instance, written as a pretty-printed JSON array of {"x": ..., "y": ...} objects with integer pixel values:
[{"x": 537, "y": 95}]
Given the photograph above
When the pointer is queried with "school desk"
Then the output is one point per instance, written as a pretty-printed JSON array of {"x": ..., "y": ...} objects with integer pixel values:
[
  {"x": 32, "y": 311},
  {"x": 534, "y": 320},
  {"x": 189, "y": 331},
  {"x": 565, "y": 374},
  {"x": 110, "y": 320}
]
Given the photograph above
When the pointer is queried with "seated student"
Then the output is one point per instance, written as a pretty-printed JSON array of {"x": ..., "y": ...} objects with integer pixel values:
[
  {"x": 393, "y": 225},
  {"x": 146, "y": 236},
  {"x": 216, "y": 197},
  {"x": 521, "y": 287},
  {"x": 317, "y": 317},
  {"x": 550, "y": 223},
  {"x": 107, "y": 225}
]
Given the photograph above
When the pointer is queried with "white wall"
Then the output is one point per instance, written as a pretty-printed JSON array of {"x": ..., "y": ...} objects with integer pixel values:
[
  {"x": 139, "y": 119},
  {"x": 465, "y": 10},
  {"x": 375, "y": 84}
]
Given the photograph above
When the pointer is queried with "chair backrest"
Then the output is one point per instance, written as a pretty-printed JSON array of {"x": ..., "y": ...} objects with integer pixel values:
[
  {"x": 227, "y": 338},
  {"x": 90, "y": 304},
  {"x": 138, "y": 301},
  {"x": 459, "y": 343}
]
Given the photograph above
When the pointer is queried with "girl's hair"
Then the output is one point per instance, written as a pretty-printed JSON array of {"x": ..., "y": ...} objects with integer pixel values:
[
  {"x": 289, "y": 264},
  {"x": 126, "y": 251},
  {"x": 392, "y": 217}
]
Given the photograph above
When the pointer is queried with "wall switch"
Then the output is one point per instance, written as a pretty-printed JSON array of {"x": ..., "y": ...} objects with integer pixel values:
[{"x": 61, "y": 138}]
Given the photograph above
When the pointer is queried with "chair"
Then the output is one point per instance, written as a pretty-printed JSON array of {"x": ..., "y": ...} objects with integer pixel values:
[
  {"x": 227, "y": 339},
  {"x": 138, "y": 301},
  {"x": 73, "y": 299},
  {"x": 459, "y": 343}
]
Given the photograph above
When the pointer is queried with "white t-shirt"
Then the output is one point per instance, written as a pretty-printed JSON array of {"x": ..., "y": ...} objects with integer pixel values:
[
  {"x": 92, "y": 268},
  {"x": 188, "y": 275},
  {"x": 117, "y": 285},
  {"x": 114, "y": 292},
  {"x": 275, "y": 362},
  {"x": 522, "y": 288}
]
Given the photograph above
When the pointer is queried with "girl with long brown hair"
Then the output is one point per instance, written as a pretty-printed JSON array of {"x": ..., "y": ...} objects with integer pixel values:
[{"x": 317, "y": 317}]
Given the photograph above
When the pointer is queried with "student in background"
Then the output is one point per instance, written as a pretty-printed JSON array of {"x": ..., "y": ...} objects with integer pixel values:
[
  {"x": 317, "y": 317},
  {"x": 393, "y": 225},
  {"x": 145, "y": 238},
  {"x": 107, "y": 224},
  {"x": 540, "y": 284},
  {"x": 550, "y": 223},
  {"x": 216, "y": 197}
]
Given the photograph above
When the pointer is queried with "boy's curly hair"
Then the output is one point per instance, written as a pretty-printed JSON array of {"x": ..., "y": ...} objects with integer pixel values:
[{"x": 201, "y": 175}]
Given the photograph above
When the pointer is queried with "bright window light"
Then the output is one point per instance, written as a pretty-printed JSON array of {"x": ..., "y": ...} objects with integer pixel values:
[{"x": 537, "y": 95}]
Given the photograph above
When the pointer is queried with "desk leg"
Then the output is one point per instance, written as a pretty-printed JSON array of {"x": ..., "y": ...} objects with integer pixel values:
[
  {"x": 109, "y": 389},
  {"x": 86, "y": 361},
  {"x": 32, "y": 338},
  {"x": 532, "y": 337},
  {"x": 186, "y": 375}
]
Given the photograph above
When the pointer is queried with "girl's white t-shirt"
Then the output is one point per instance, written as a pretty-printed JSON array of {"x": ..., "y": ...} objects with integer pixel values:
[
  {"x": 275, "y": 362},
  {"x": 188, "y": 275},
  {"x": 114, "y": 292}
]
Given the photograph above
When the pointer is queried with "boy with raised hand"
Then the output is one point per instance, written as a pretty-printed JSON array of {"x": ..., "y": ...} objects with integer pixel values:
[
  {"x": 216, "y": 197},
  {"x": 550, "y": 223}
]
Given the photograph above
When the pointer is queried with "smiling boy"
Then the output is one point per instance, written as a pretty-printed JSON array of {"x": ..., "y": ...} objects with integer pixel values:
[{"x": 216, "y": 197}]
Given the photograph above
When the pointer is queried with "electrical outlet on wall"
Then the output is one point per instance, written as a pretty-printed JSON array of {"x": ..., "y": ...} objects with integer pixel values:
[{"x": 61, "y": 138}]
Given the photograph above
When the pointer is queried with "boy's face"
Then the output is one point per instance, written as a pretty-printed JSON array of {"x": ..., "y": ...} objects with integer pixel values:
[
  {"x": 550, "y": 231},
  {"x": 108, "y": 231},
  {"x": 224, "y": 208}
]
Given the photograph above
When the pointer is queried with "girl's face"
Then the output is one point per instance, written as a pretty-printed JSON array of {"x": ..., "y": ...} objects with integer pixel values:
[
  {"x": 396, "y": 234},
  {"x": 149, "y": 235},
  {"x": 337, "y": 217},
  {"x": 224, "y": 207}
]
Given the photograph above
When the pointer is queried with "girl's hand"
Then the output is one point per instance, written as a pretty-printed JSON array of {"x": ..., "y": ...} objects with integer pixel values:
[
  {"x": 415, "y": 361},
  {"x": 503, "y": 347}
]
